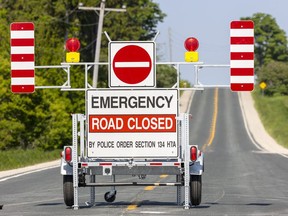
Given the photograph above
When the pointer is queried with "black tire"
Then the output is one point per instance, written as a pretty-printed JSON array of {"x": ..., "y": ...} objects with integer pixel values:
[
  {"x": 68, "y": 190},
  {"x": 195, "y": 189},
  {"x": 109, "y": 199}
]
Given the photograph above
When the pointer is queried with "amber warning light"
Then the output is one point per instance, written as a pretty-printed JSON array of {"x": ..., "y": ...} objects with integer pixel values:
[
  {"x": 191, "y": 44},
  {"x": 72, "y": 46}
]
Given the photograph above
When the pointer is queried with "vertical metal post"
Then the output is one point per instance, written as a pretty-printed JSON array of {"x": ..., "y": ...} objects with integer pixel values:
[
  {"x": 86, "y": 76},
  {"x": 75, "y": 159},
  {"x": 196, "y": 82},
  {"x": 185, "y": 131},
  {"x": 178, "y": 82},
  {"x": 197, "y": 70},
  {"x": 179, "y": 194},
  {"x": 68, "y": 74},
  {"x": 180, "y": 138},
  {"x": 113, "y": 188},
  {"x": 82, "y": 135},
  {"x": 92, "y": 190}
]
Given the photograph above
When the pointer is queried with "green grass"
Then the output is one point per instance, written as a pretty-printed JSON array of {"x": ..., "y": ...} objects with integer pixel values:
[
  {"x": 273, "y": 112},
  {"x": 12, "y": 159}
]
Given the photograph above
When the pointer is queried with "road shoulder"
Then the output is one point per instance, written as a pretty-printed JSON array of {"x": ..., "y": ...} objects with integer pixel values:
[
  {"x": 34, "y": 168},
  {"x": 255, "y": 127}
]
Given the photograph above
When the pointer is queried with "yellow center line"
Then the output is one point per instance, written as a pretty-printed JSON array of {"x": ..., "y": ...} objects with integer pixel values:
[
  {"x": 213, "y": 123},
  {"x": 134, "y": 205},
  {"x": 149, "y": 188},
  {"x": 131, "y": 207},
  {"x": 208, "y": 143}
]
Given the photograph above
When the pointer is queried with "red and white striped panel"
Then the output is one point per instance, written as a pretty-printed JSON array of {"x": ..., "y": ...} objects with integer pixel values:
[
  {"x": 22, "y": 57},
  {"x": 242, "y": 55}
]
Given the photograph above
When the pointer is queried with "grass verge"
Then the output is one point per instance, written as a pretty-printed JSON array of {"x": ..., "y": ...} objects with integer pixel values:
[
  {"x": 12, "y": 159},
  {"x": 273, "y": 112}
]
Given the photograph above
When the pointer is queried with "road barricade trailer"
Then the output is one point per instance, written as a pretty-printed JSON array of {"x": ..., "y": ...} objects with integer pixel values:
[
  {"x": 134, "y": 128},
  {"x": 136, "y": 132}
]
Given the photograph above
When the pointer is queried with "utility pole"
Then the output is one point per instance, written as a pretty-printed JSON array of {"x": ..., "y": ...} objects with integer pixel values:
[
  {"x": 170, "y": 44},
  {"x": 101, "y": 14}
]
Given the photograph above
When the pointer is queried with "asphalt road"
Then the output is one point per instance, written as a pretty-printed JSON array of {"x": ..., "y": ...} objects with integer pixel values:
[{"x": 238, "y": 180}]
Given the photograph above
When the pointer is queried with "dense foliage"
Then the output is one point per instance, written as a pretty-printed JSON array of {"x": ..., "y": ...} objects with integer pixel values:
[
  {"x": 275, "y": 75},
  {"x": 271, "y": 54},
  {"x": 43, "y": 119}
]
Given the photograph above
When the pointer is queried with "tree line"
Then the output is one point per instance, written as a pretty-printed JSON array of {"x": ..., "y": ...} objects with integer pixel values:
[{"x": 43, "y": 119}]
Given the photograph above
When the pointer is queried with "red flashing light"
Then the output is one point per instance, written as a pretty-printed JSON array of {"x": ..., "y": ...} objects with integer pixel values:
[
  {"x": 68, "y": 154},
  {"x": 191, "y": 44},
  {"x": 72, "y": 45},
  {"x": 193, "y": 153}
]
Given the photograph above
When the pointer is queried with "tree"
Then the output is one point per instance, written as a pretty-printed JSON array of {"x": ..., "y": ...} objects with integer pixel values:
[
  {"x": 275, "y": 75},
  {"x": 43, "y": 119},
  {"x": 270, "y": 39},
  {"x": 166, "y": 76}
]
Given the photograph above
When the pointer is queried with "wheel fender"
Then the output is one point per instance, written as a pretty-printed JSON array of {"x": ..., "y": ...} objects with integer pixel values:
[
  {"x": 197, "y": 168},
  {"x": 66, "y": 168}
]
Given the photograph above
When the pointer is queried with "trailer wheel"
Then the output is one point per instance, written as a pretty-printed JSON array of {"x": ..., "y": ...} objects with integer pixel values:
[
  {"x": 195, "y": 189},
  {"x": 68, "y": 190},
  {"x": 109, "y": 198}
]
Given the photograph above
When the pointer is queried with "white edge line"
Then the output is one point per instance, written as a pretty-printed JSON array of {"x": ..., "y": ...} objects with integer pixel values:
[
  {"x": 152, "y": 212},
  {"x": 246, "y": 125},
  {"x": 190, "y": 101},
  {"x": 28, "y": 172}
]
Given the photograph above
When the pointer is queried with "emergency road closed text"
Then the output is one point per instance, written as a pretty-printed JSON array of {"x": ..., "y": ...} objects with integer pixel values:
[
  {"x": 133, "y": 102},
  {"x": 132, "y": 123}
]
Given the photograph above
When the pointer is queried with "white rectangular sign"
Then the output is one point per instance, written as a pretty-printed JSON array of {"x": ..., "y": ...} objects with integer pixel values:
[
  {"x": 132, "y": 64},
  {"x": 132, "y": 123}
]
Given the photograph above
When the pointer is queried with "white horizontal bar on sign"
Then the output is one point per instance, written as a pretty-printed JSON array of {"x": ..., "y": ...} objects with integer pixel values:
[
  {"x": 22, "y": 50},
  {"x": 22, "y": 65},
  {"x": 242, "y": 32},
  {"x": 242, "y": 64},
  {"x": 23, "y": 81},
  {"x": 131, "y": 64},
  {"x": 22, "y": 34},
  {"x": 242, "y": 48},
  {"x": 241, "y": 79}
]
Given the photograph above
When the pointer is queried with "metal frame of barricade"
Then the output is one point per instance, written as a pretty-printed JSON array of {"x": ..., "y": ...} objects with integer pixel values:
[{"x": 78, "y": 121}]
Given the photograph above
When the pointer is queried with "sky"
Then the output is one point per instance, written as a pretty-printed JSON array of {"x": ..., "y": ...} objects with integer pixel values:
[{"x": 209, "y": 22}]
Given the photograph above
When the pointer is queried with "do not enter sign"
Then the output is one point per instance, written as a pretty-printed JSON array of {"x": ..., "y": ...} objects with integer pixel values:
[{"x": 132, "y": 64}]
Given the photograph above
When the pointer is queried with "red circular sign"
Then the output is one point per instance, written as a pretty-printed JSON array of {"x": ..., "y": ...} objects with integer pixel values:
[{"x": 132, "y": 64}]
